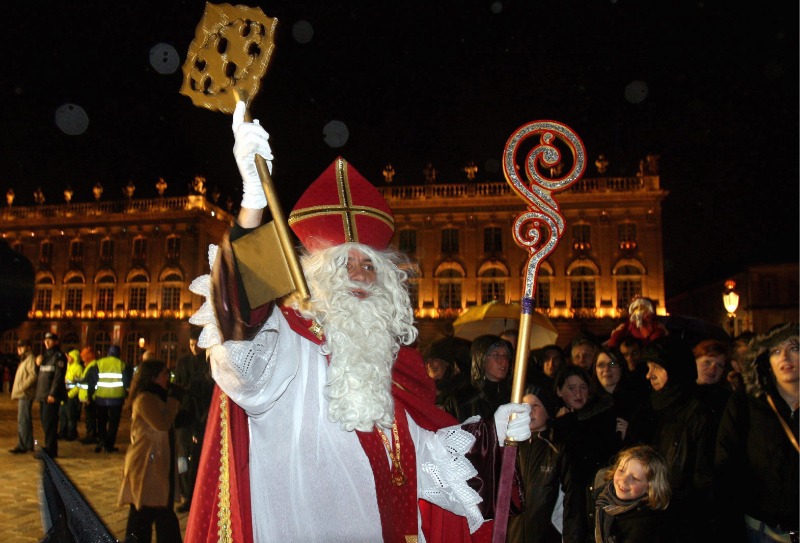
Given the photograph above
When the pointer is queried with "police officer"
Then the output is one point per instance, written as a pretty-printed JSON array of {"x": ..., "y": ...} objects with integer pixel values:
[{"x": 51, "y": 390}]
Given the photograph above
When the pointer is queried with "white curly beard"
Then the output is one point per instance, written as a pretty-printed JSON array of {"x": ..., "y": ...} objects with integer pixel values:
[
  {"x": 362, "y": 351},
  {"x": 362, "y": 335}
]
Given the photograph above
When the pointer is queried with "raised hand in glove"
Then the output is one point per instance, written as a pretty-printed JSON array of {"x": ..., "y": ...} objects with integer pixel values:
[
  {"x": 250, "y": 139},
  {"x": 518, "y": 429}
]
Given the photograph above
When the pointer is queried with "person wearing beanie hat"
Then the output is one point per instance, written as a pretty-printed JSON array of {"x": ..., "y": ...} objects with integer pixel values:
[
  {"x": 756, "y": 475},
  {"x": 89, "y": 380},
  {"x": 555, "y": 507},
  {"x": 679, "y": 426},
  {"x": 333, "y": 430},
  {"x": 71, "y": 407}
]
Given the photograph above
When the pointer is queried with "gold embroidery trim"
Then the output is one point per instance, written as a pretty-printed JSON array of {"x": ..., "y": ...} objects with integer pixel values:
[
  {"x": 224, "y": 532},
  {"x": 398, "y": 476},
  {"x": 316, "y": 329},
  {"x": 346, "y": 209}
]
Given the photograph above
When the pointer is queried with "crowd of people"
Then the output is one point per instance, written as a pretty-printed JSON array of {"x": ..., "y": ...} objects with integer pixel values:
[
  {"x": 168, "y": 411},
  {"x": 706, "y": 430},
  {"x": 329, "y": 424}
]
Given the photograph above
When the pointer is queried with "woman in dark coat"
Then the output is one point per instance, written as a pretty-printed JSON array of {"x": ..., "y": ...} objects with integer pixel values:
[
  {"x": 491, "y": 387},
  {"x": 756, "y": 475},
  {"x": 678, "y": 426},
  {"x": 149, "y": 479}
]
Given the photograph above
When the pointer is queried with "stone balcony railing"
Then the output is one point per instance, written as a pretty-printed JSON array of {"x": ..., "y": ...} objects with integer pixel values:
[
  {"x": 483, "y": 190},
  {"x": 90, "y": 209}
]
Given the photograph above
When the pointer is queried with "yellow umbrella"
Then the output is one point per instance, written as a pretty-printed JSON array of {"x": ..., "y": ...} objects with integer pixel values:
[{"x": 495, "y": 317}]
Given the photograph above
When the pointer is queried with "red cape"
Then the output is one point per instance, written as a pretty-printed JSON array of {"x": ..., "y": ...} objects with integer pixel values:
[{"x": 221, "y": 503}]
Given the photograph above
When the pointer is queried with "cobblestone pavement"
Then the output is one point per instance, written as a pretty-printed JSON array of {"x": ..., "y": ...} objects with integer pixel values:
[{"x": 97, "y": 476}]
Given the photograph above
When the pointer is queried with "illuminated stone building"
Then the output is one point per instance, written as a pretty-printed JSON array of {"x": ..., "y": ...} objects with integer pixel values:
[
  {"x": 119, "y": 272},
  {"x": 460, "y": 236},
  {"x": 114, "y": 272}
]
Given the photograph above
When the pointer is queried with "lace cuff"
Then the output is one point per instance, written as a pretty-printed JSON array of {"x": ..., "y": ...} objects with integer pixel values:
[
  {"x": 445, "y": 471},
  {"x": 205, "y": 317}
]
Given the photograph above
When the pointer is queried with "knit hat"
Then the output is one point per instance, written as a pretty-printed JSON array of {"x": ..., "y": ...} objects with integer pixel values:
[
  {"x": 674, "y": 355},
  {"x": 113, "y": 351},
  {"x": 548, "y": 399},
  {"x": 51, "y": 335},
  {"x": 341, "y": 206}
]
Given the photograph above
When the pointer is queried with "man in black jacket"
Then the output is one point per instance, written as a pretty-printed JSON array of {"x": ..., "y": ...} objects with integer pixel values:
[{"x": 51, "y": 390}]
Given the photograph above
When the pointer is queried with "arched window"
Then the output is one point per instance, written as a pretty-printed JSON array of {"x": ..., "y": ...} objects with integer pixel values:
[
  {"x": 130, "y": 348},
  {"x": 168, "y": 348},
  {"x": 102, "y": 341},
  {"x": 493, "y": 275},
  {"x": 137, "y": 292},
  {"x": 73, "y": 300},
  {"x": 628, "y": 279},
  {"x": 171, "y": 287},
  {"x": 582, "y": 282},
  {"x": 44, "y": 292},
  {"x": 105, "y": 287},
  {"x": 543, "y": 283},
  {"x": 449, "y": 276}
]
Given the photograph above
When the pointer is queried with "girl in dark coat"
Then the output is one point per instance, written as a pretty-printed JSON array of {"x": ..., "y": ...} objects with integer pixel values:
[{"x": 629, "y": 498}]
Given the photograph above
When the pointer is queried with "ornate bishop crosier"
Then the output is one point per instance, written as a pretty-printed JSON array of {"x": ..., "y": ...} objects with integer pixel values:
[{"x": 538, "y": 231}]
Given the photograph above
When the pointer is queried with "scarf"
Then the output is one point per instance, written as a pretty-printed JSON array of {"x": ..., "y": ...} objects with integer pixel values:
[{"x": 607, "y": 506}]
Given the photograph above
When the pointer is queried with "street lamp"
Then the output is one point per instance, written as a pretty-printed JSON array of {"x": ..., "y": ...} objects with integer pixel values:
[{"x": 730, "y": 299}]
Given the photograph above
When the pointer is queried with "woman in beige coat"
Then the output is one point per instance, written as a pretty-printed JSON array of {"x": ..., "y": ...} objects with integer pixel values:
[{"x": 149, "y": 480}]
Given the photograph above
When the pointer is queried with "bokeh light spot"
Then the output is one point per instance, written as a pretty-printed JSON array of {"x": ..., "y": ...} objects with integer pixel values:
[
  {"x": 72, "y": 119},
  {"x": 496, "y": 7},
  {"x": 636, "y": 92},
  {"x": 302, "y": 31},
  {"x": 164, "y": 58},
  {"x": 336, "y": 134}
]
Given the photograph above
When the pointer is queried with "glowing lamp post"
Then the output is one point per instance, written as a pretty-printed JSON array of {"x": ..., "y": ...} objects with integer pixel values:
[{"x": 730, "y": 299}]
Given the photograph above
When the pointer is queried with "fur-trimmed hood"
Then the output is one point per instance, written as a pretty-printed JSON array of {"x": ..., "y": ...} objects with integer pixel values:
[{"x": 756, "y": 369}]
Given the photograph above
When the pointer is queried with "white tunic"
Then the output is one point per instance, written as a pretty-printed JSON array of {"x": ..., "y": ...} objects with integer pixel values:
[{"x": 310, "y": 479}]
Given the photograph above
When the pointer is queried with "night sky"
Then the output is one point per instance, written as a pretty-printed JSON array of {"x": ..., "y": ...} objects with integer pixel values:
[{"x": 712, "y": 87}]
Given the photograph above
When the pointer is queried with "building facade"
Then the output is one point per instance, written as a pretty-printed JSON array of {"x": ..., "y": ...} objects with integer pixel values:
[
  {"x": 119, "y": 272},
  {"x": 460, "y": 236},
  {"x": 114, "y": 272}
]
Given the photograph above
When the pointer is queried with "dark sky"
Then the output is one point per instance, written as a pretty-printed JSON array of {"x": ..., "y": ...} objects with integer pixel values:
[{"x": 440, "y": 81}]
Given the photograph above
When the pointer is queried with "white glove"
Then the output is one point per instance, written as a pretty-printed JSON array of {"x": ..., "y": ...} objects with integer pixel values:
[
  {"x": 250, "y": 139},
  {"x": 518, "y": 429}
]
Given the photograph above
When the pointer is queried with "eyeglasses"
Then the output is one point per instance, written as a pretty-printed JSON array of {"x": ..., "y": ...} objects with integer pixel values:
[
  {"x": 606, "y": 365},
  {"x": 499, "y": 355}
]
